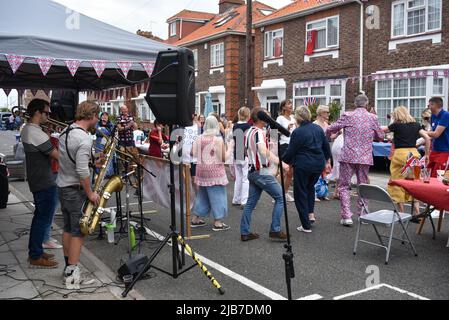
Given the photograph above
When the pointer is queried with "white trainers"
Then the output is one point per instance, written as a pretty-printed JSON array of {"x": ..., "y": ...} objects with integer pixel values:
[
  {"x": 51, "y": 245},
  {"x": 73, "y": 278},
  {"x": 289, "y": 198},
  {"x": 346, "y": 222},
  {"x": 301, "y": 229}
]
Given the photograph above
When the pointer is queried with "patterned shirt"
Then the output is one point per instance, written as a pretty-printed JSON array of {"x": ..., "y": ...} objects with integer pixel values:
[
  {"x": 126, "y": 137},
  {"x": 361, "y": 128}
]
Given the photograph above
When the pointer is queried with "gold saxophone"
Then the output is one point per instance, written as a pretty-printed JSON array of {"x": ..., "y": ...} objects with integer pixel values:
[{"x": 91, "y": 212}]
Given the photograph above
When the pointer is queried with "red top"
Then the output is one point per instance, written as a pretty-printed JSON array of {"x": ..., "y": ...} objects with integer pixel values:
[
  {"x": 434, "y": 193},
  {"x": 155, "y": 147},
  {"x": 54, "y": 163}
]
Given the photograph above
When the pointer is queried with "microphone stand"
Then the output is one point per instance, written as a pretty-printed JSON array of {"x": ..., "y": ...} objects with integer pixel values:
[{"x": 288, "y": 255}]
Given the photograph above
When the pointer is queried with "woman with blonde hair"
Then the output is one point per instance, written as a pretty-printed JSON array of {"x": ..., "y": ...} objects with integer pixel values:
[
  {"x": 406, "y": 132},
  {"x": 241, "y": 186},
  {"x": 287, "y": 120},
  {"x": 210, "y": 151}
]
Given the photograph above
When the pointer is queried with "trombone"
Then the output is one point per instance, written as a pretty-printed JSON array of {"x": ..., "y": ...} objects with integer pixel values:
[{"x": 50, "y": 121}]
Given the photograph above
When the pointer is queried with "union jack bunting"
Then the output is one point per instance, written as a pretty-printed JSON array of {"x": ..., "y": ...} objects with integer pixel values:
[{"x": 309, "y": 101}]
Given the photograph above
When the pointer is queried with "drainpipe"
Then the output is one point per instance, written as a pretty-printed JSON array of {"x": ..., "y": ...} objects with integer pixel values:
[
  {"x": 362, "y": 18},
  {"x": 180, "y": 29}
]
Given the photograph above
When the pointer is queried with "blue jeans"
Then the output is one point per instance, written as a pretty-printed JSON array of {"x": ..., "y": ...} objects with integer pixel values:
[
  {"x": 47, "y": 234},
  {"x": 45, "y": 202},
  {"x": 213, "y": 199},
  {"x": 257, "y": 184}
]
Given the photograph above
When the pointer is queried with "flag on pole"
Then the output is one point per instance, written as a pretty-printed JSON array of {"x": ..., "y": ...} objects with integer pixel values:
[{"x": 411, "y": 162}]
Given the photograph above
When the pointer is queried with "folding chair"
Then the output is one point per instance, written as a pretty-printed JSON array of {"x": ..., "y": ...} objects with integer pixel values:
[{"x": 386, "y": 218}]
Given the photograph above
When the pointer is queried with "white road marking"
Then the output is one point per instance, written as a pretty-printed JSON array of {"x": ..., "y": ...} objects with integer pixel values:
[
  {"x": 243, "y": 280},
  {"x": 376, "y": 287},
  {"x": 311, "y": 297}
]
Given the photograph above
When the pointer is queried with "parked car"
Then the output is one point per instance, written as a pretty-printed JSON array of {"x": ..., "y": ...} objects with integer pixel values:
[{"x": 4, "y": 117}]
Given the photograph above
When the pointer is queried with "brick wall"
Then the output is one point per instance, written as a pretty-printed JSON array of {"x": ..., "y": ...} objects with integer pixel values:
[{"x": 294, "y": 68}]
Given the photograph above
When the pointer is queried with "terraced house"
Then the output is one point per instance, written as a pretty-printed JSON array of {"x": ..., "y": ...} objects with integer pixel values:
[
  {"x": 319, "y": 50},
  {"x": 219, "y": 48}
]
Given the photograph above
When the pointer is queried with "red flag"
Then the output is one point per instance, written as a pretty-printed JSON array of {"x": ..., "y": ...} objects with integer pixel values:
[
  {"x": 277, "y": 47},
  {"x": 311, "y": 41}
]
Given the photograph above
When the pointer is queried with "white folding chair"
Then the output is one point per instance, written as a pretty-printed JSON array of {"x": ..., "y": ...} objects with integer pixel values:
[{"x": 386, "y": 218}]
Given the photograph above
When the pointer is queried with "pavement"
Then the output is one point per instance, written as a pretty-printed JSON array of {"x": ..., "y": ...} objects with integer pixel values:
[{"x": 325, "y": 267}]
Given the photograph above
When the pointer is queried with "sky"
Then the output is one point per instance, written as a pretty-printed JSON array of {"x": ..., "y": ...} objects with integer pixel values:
[{"x": 132, "y": 15}]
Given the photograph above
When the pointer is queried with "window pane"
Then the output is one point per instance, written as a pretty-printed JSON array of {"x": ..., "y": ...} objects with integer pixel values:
[
  {"x": 384, "y": 89},
  {"x": 398, "y": 20},
  {"x": 434, "y": 13},
  {"x": 336, "y": 90},
  {"x": 332, "y": 32},
  {"x": 438, "y": 86},
  {"x": 415, "y": 3},
  {"x": 383, "y": 109},
  {"x": 299, "y": 102},
  {"x": 418, "y": 87},
  {"x": 317, "y": 25},
  {"x": 416, "y": 21},
  {"x": 318, "y": 91},
  {"x": 267, "y": 44},
  {"x": 195, "y": 58},
  {"x": 417, "y": 106},
  {"x": 400, "y": 103},
  {"x": 277, "y": 47},
  {"x": 400, "y": 88},
  {"x": 302, "y": 92},
  {"x": 321, "y": 39},
  {"x": 321, "y": 101}
]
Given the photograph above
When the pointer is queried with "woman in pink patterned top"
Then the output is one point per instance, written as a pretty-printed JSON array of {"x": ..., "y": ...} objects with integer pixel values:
[{"x": 211, "y": 177}]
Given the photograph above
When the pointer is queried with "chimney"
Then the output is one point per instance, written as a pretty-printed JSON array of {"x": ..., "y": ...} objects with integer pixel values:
[{"x": 225, "y": 5}]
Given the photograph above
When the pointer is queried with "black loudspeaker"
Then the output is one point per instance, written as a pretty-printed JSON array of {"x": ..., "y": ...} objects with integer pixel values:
[
  {"x": 171, "y": 95},
  {"x": 133, "y": 266},
  {"x": 63, "y": 105}
]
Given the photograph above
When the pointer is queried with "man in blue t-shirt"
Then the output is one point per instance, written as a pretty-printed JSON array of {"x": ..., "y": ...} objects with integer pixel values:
[{"x": 440, "y": 134}]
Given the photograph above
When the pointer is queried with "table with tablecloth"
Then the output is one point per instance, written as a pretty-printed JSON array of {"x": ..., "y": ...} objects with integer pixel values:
[
  {"x": 381, "y": 149},
  {"x": 435, "y": 194}
]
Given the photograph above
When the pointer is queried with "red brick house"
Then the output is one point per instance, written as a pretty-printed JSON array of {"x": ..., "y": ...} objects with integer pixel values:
[
  {"x": 219, "y": 49},
  {"x": 405, "y": 57}
]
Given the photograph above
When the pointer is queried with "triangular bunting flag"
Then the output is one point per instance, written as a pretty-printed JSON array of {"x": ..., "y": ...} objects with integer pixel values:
[
  {"x": 125, "y": 66},
  {"x": 7, "y": 91},
  {"x": 45, "y": 64},
  {"x": 99, "y": 66},
  {"x": 73, "y": 66},
  {"x": 47, "y": 92},
  {"x": 34, "y": 91},
  {"x": 15, "y": 61},
  {"x": 446, "y": 73},
  {"x": 149, "y": 67}
]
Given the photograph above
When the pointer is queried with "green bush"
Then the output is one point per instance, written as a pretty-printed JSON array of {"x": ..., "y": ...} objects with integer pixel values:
[{"x": 335, "y": 110}]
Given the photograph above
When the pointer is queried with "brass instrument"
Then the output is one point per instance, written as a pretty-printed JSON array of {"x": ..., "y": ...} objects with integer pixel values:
[
  {"x": 91, "y": 212},
  {"x": 50, "y": 121}
]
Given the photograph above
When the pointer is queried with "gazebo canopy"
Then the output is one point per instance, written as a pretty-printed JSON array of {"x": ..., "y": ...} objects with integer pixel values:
[{"x": 53, "y": 47}]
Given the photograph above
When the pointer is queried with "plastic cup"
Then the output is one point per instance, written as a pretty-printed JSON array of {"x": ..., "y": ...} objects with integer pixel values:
[
  {"x": 127, "y": 280},
  {"x": 425, "y": 175},
  {"x": 111, "y": 233},
  {"x": 440, "y": 174},
  {"x": 417, "y": 172}
]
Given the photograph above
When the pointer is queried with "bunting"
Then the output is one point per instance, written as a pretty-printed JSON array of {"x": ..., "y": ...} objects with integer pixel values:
[
  {"x": 45, "y": 64},
  {"x": 73, "y": 66}
]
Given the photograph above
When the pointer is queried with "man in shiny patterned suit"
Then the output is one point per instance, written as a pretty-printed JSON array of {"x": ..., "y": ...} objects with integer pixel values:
[{"x": 361, "y": 128}]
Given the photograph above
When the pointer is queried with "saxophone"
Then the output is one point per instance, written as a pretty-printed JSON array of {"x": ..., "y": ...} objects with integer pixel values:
[{"x": 91, "y": 212}]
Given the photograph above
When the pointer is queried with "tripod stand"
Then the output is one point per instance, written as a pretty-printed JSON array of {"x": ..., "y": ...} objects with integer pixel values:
[
  {"x": 288, "y": 255},
  {"x": 176, "y": 240}
]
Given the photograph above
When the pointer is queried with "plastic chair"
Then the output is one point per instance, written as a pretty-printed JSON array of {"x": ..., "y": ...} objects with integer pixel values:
[{"x": 386, "y": 218}]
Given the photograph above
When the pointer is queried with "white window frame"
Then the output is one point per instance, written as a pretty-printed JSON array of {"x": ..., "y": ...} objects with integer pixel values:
[
  {"x": 173, "y": 28},
  {"x": 328, "y": 47},
  {"x": 195, "y": 58},
  {"x": 406, "y": 11},
  {"x": 269, "y": 41},
  {"x": 429, "y": 92},
  {"x": 326, "y": 95},
  {"x": 217, "y": 51}
]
